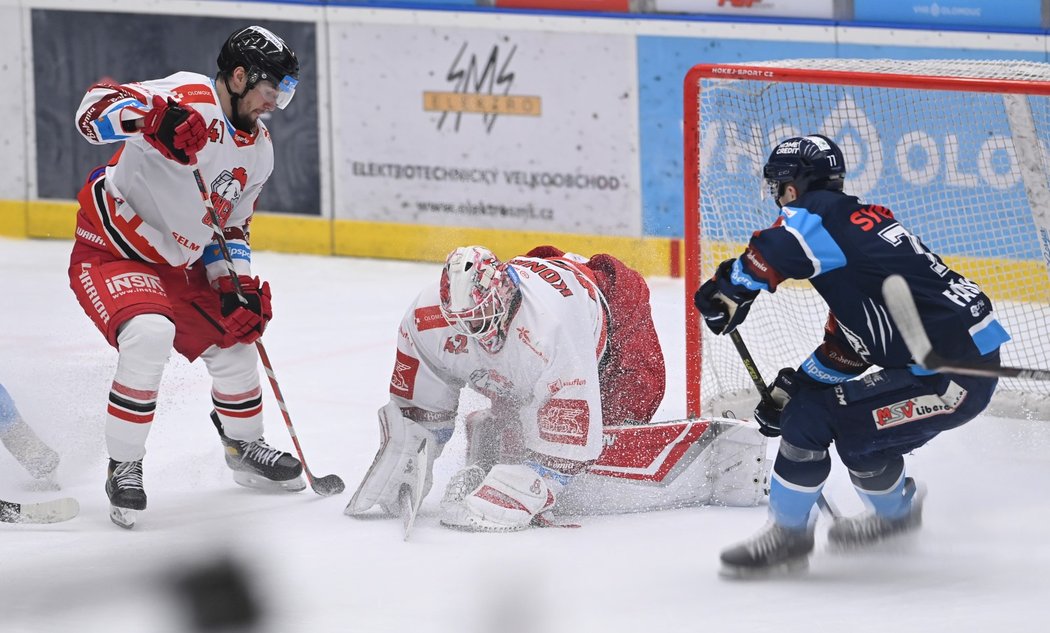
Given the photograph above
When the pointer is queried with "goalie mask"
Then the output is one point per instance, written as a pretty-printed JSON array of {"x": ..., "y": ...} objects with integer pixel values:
[
  {"x": 807, "y": 162},
  {"x": 478, "y": 295}
]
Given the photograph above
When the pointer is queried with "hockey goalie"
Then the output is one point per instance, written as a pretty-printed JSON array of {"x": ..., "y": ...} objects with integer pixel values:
[{"x": 566, "y": 352}]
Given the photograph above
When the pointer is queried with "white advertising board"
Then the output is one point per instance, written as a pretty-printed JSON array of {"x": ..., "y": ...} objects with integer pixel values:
[
  {"x": 816, "y": 9},
  {"x": 14, "y": 163},
  {"x": 485, "y": 128}
]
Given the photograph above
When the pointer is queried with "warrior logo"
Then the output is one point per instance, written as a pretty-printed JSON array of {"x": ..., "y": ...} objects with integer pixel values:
[
  {"x": 403, "y": 380},
  {"x": 226, "y": 190},
  {"x": 564, "y": 421}
]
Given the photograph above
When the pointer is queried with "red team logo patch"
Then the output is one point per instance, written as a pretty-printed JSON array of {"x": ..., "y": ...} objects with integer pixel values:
[
  {"x": 564, "y": 421},
  {"x": 403, "y": 381}
]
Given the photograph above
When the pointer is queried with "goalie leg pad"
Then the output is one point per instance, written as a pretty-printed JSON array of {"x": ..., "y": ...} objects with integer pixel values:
[
  {"x": 395, "y": 463},
  {"x": 506, "y": 500},
  {"x": 738, "y": 467}
]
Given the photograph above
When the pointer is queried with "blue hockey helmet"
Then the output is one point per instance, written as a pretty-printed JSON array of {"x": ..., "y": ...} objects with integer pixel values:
[{"x": 807, "y": 162}]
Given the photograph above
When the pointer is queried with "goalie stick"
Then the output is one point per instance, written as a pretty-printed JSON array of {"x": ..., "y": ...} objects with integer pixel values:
[
  {"x": 763, "y": 392},
  {"x": 901, "y": 305},
  {"x": 54, "y": 511},
  {"x": 410, "y": 497},
  {"x": 324, "y": 486}
]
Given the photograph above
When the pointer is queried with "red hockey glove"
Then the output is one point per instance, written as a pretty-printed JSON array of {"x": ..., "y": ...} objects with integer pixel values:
[
  {"x": 244, "y": 323},
  {"x": 177, "y": 131}
]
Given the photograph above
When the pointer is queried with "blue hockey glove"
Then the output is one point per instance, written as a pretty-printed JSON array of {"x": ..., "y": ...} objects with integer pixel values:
[
  {"x": 767, "y": 414},
  {"x": 723, "y": 304}
]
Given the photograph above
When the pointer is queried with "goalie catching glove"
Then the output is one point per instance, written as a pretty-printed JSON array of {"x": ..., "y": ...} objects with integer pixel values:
[
  {"x": 244, "y": 322},
  {"x": 507, "y": 499},
  {"x": 723, "y": 304},
  {"x": 176, "y": 131}
]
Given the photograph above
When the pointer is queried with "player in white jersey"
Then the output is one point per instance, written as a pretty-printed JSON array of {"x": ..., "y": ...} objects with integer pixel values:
[
  {"x": 146, "y": 266},
  {"x": 563, "y": 347}
]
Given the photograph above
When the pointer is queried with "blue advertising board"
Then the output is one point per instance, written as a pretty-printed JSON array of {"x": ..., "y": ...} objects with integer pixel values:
[
  {"x": 983, "y": 13},
  {"x": 662, "y": 65}
]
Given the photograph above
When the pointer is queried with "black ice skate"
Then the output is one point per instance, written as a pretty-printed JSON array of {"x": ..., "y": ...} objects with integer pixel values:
[
  {"x": 775, "y": 549},
  {"x": 869, "y": 528},
  {"x": 126, "y": 494},
  {"x": 256, "y": 464}
]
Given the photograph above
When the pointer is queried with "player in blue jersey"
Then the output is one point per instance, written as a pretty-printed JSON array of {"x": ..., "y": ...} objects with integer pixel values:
[
  {"x": 846, "y": 249},
  {"x": 24, "y": 444}
]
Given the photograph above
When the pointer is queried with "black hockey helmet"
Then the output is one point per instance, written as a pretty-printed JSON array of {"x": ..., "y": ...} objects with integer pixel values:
[
  {"x": 808, "y": 162},
  {"x": 265, "y": 57}
]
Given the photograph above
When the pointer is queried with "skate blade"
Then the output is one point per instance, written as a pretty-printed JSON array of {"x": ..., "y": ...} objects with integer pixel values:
[
  {"x": 788, "y": 568},
  {"x": 123, "y": 517},
  {"x": 258, "y": 482}
]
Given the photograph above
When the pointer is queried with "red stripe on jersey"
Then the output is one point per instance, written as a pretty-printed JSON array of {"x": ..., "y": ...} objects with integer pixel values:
[
  {"x": 137, "y": 394},
  {"x": 128, "y": 416},
  {"x": 128, "y": 230},
  {"x": 194, "y": 93},
  {"x": 429, "y": 318}
]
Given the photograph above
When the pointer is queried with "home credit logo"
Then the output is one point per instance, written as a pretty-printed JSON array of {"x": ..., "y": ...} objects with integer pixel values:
[{"x": 480, "y": 84}]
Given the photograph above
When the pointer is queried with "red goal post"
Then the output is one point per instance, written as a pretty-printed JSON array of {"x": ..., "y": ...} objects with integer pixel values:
[{"x": 968, "y": 172}]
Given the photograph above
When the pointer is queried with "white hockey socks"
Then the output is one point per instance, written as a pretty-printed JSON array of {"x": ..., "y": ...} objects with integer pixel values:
[
  {"x": 144, "y": 343},
  {"x": 236, "y": 392}
]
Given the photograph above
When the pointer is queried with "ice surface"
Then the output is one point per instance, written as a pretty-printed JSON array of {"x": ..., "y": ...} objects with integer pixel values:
[{"x": 982, "y": 561}]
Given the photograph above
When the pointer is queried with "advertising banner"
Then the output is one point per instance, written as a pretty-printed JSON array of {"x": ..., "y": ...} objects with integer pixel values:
[
  {"x": 13, "y": 102},
  {"x": 888, "y": 156},
  {"x": 621, "y": 6},
  {"x": 72, "y": 50},
  {"x": 983, "y": 13},
  {"x": 813, "y": 9},
  {"x": 484, "y": 128},
  {"x": 662, "y": 65}
]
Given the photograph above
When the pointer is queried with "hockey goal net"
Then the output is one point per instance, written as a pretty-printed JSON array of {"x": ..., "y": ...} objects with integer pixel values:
[{"x": 957, "y": 149}]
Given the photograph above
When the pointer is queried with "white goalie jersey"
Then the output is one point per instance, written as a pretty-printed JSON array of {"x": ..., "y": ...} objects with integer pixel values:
[
  {"x": 158, "y": 216},
  {"x": 545, "y": 376}
]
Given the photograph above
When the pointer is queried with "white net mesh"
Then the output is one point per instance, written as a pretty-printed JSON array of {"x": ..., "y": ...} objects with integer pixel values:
[{"x": 960, "y": 168}]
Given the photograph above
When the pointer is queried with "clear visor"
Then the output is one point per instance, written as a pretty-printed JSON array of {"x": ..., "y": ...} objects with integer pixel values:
[
  {"x": 285, "y": 91},
  {"x": 771, "y": 189}
]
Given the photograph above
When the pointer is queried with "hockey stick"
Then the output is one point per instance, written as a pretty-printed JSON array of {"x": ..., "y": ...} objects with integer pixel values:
[
  {"x": 409, "y": 498},
  {"x": 901, "y": 305},
  {"x": 767, "y": 398},
  {"x": 324, "y": 486},
  {"x": 54, "y": 511}
]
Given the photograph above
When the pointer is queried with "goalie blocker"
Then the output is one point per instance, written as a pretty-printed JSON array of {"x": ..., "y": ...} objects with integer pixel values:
[{"x": 641, "y": 468}]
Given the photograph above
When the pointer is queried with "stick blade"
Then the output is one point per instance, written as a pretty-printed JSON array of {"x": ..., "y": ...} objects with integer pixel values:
[
  {"x": 901, "y": 304},
  {"x": 329, "y": 485},
  {"x": 54, "y": 511}
]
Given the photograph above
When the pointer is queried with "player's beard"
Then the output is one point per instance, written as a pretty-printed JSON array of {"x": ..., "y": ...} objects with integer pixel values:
[{"x": 238, "y": 120}]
